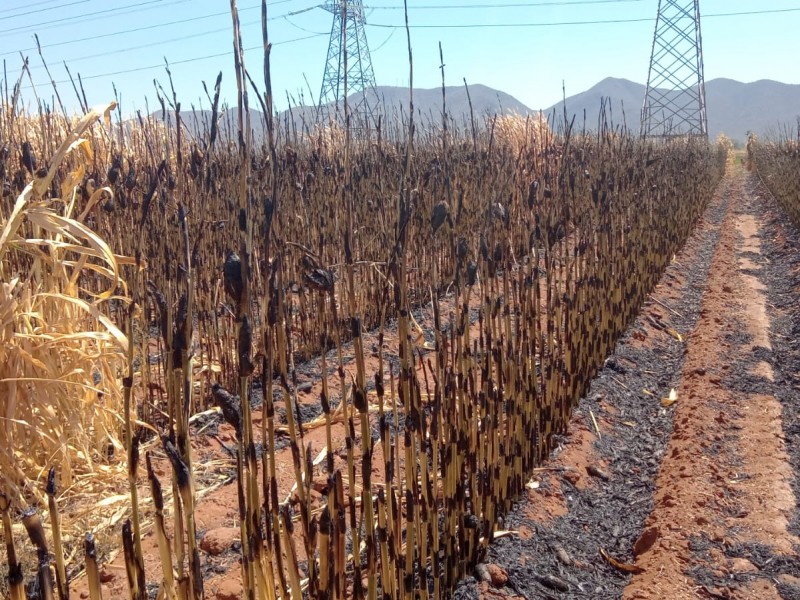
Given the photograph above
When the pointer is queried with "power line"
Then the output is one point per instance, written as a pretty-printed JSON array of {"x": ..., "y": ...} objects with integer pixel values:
[
  {"x": 62, "y": 20},
  {"x": 752, "y": 12},
  {"x": 570, "y": 23},
  {"x": 69, "y": 61},
  {"x": 494, "y": 6},
  {"x": 488, "y": 25},
  {"x": 380, "y": 25},
  {"x": 138, "y": 29},
  {"x": 175, "y": 39},
  {"x": 184, "y": 61},
  {"x": 386, "y": 41},
  {"x": 28, "y": 5},
  {"x": 296, "y": 26},
  {"x": 116, "y": 11},
  {"x": 39, "y": 10}
]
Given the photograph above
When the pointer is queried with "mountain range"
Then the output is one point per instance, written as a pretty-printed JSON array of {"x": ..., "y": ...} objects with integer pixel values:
[{"x": 733, "y": 108}]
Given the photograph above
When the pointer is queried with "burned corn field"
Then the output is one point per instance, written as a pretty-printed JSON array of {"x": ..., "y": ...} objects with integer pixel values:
[
  {"x": 371, "y": 337},
  {"x": 531, "y": 259}
]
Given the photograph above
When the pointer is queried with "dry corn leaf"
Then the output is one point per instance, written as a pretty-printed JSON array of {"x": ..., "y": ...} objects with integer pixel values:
[
  {"x": 93, "y": 310},
  {"x": 40, "y": 185},
  {"x": 112, "y": 500},
  {"x": 419, "y": 340},
  {"x": 94, "y": 199},
  {"x": 33, "y": 361},
  {"x": 58, "y": 225},
  {"x": 69, "y": 187},
  {"x": 84, "y": 145}
]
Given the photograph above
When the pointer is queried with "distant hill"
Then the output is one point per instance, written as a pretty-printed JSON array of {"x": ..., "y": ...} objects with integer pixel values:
[
  {"x": 389, "y": 101},
  {"x": 733, "y": 108},
  {"x": 428, "y": 102},
  {"x": 392, "y": 104}
]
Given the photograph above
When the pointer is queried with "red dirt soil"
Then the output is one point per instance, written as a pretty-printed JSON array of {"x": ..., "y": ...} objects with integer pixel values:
[{"x": 743, "y": 494}]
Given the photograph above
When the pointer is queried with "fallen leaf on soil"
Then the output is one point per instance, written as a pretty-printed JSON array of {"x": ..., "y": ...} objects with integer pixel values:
[
  {"x": 502, "y": 533},
  {"x": 672, "y": 399},
  {"x": 648, "y": 392},
  {"x": 629, "y": 423},
  {"x": 625, "y": 567},
  {"x": 674, "y": 334},
  {"x": 214, "y": 368},
  {"x": 198, "y": 416},
  {"x": 532, "y": 484},
  {"x": 111, "y": 500}
]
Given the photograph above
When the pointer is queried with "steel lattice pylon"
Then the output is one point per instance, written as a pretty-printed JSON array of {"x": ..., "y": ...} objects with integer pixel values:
[
  {"x": 675, "y": 101},
  {"x": 347, "y": 33}
]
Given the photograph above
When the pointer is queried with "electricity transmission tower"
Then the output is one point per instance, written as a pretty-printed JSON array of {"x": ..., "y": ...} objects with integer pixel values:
[
  {"x": 675, "y": 101},
  {"x": 348, "y": 63}
]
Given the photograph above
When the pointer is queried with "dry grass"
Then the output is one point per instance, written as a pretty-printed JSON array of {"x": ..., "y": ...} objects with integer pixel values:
[
  {"x": 61, "y": 356},
  {"x": 519, "y": 133}
]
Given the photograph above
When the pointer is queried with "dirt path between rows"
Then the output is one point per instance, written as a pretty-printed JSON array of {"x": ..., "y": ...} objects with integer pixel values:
[
  {"x": 724, "y": 490},
  {"x": 694, "y": 494}
]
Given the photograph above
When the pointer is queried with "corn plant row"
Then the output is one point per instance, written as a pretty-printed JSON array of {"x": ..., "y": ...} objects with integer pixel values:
[{"x": 778, "y": 164}]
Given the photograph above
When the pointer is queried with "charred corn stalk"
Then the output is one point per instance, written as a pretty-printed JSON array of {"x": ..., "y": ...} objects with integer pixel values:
[
  {"x": 164, "y": 548},
  {"x": 15, "y": 577},
  {"x": 92, "y": 570},
  {"x": 55, "y": 523},
  {"x": 44, "y": 575}
]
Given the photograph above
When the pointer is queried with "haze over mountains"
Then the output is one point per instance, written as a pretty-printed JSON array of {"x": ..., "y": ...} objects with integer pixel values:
[{"x": 734, "y": 108}]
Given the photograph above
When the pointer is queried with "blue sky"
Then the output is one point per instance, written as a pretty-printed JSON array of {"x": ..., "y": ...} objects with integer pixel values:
[{"x": 126, "y": 38}]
